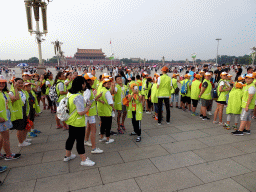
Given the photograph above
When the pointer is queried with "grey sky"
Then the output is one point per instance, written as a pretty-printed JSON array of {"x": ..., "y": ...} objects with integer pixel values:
[{"x": 138, "y": 28}]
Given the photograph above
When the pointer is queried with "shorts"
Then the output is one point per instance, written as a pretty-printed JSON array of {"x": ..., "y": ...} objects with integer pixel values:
[
  {"x": 222, "y": 102},
  {"x": 7, "y": 124},
  {"x": 247, "y": 116},
  {"x": 205, "y": 103},
  {"x": 20, "y": 124},
  {"x": 91, "y": 119},
  {"x": 186, "y": 99},
  {"x": 123, "y": 109},
  {"x": 194, "y": 103}
]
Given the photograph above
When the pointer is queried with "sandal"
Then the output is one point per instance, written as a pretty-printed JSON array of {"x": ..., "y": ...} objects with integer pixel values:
[
  {"x": 123, "y": 127},
  {"x": 120, "y": 131},
  {"x": 65, "y": 128}
]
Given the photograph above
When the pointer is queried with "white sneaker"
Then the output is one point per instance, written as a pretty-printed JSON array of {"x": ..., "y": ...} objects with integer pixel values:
[
  {"x": 72, "y": 156},
  {"x": 104, "y": 139},
  {"x": 209, "y": 113},
  {"x": 110, "y": 141},
  {"x": 148, "y": 112},
  {"x": 97, "y": 150},
  {"x": 87, "y": 162},
  {"x": 88, "y": 143},
  {"x": 24, "y": 144}
]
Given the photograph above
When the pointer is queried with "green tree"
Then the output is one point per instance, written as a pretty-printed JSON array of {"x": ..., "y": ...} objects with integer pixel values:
[{"x": 33, "y": 60}]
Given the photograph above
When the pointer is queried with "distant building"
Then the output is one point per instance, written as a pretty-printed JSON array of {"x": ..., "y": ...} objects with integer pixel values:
[
  {"x": 135, "y": 59},
  {"x": 89, "y": 54}
]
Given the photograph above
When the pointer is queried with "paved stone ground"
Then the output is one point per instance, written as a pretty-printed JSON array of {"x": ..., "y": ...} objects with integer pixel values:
[{"x": 189, "y": 155}]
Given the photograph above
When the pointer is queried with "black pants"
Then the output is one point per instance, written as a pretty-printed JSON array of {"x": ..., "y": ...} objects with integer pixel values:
[
  {"x": 49, "y": 101},
  {"x": 167, "y": 106},
  {"x": 136, "y": 124},
  {"x": 78, "y": 134},
  {"x": 106, "y": 123}
]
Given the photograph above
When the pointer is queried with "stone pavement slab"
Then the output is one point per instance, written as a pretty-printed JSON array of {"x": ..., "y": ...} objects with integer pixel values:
[
  {"x": 182, "y": 146},
  {"x": 168, "y": 181},
  {"x": 155, "y": 140},
  {"x": 217, "y": 170},
  {"x": 127, "y": 170},
  {"x": 192, "y": 126},
  {"x": 226, "y": 185},
  {"x": 216, "y": 131},
  {"x": 143, "y": 153},
  {"x": 120, "y": 186},
  {"x": 188, "y": 135},
  {"x": 248, "y": 161},
  {"x": 36, "y": 171},
  {"x": 24, "y": 186},
  {"x": 162, "y": 131},
  {"x": 177, "y": 160},
  {"x": 246, "y": 146},
  {"x": 218, "y": 140},
  {"x": 247, "y": 180},
  {"x": 69, "y": 182},
  {"x": 218, "y": 152}
]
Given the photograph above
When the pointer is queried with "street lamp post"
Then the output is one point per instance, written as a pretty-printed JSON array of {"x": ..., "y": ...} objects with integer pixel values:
[
  {"x": 163, "y": 60},
  {"x": 218, "y": 39},
  {"x": 36, "y": 5},
  {"x": 57, "y": 50},
  {"x": 144, "y": 62}
]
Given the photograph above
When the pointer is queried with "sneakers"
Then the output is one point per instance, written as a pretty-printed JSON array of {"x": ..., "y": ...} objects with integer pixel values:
[
  {"x": 167, "y": 123},
  {"x": 238, "y": 133},
  {"x": 28, "y": 140},
  {"x": 24, "y": 144},
  {"x": 72, "y": 156},
  {"x": 123, "y": 127},
  {"x": 31, "y": 134},
  {"x": 104, "y": 139},
  {"x": 138, "y": 139},
  {"x": 193, "y": 114},
  {"x": 110, "y": 141},
  {"x": 226, "y": 126},
  {"x": 148, "y": 112},
  {"x": 209, "y": 113},
  {"x": 215, "y": 122},
  {"x": 221, "y": 123},
  {"x": 159, "y": 124},
  {"x": 88, "y": 143},
  {"x": 205, "y": 118},
  {"x": 201, "y": 116},
  {"x": 120, "y": 131},
  {"x": 3, "y": 169},
  {"x": 113, "y": 133},
  {"x": 96, "y": 150},
  {"x": 87, "y": 162},
  {"x": 133, "y": 133},
  {"x": 248, "y": 132},
  {"x": 35, "y": 131},
  {"x": 12, "y": 157}
]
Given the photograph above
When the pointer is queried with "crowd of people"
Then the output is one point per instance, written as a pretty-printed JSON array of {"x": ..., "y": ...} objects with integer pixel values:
[{"x": 123, "y": 94}]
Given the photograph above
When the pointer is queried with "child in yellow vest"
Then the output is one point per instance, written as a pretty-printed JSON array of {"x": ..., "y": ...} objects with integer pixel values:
[
  {"x": 135, "y": 110},
  {"x": 234, "y": 105},
  {"x": 154, "y": 95}
]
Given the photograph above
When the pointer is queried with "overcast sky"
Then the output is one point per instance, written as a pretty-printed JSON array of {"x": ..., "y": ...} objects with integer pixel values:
[{"x": 138, "y": 28}]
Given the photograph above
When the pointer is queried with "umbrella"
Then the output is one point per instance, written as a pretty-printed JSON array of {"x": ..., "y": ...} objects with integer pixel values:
[
  {"x": 154, "y": 66},
  {"x": 22, "y": 65}
]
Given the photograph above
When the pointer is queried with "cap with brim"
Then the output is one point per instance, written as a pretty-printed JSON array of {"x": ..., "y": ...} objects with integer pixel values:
[
  {"x": 198, "y": 76},
  {"x": 240, "y": 78},
  {"x": 105, "y": 75},
  {"x": 187, "y": 75},
  {"x": 223, "y": 73},
  {"x": 239, "y": 85},
  {"x": 35, "y": 74},
  {"x": 27, "y": 83},
  {"x": 229, "y": 75},
  {"x": 2, "y": 79},
  {"x": 88, "y": 76},
  {"x": 106, "y": 80},
  {"x": 145, "y": 73},
  {"x": 25, "y": 73},
  {"x": 133, "y": 85},
  {"x": 207, "y": 74},
  {"x": 249, "y": 76},
  {"x": 175, "y": 75},
  {"x": 202, "y": 72},
  {"x": 165, "y": 69}
]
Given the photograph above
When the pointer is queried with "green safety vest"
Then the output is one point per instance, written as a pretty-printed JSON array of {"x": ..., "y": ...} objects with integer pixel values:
[
  {"x": 99, "y": 88},
  {"x": 104, "y": 110},
  {"x": 164, "y": 89},
  {"x": 37, "y": 107},
  {"x": 223, "y": 94},
  {"x": 207, "y": 93},
  {"x": 47, "y": 88},
  {"x": 147, "y": 90},
  {"x": 235, "y": 101},
  {"x": 117, "y": 98},
  {"x": 246, "y": 96},
  {"x": 3, "y": 112},
  {"x": 195, "y": 90},
  {"x": 75, "y": 119},
  {"x": 139, "y": 110},
  {"x": 144, "y": 81},
  {"x": 95, "y": 84},
  {"x": 129, "y": 84},
  {"x": 154, "y": 93},
  {"x": 17, "y": 107},
  {"x": 69, "y": 85},
  {"x": 58, "y": 91},
  {"x": 189, "y": 89},
  {"x": 174, "y": 85},
  {"x": 93, "y": 109}
]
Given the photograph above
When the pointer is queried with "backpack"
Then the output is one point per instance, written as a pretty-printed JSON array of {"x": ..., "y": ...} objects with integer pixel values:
[
  {"x": 63, "y": 110},
  {"x": 53, "y": 94},
  {"x": 214, "y": 92},
  {"x": 184, "y": 88}
]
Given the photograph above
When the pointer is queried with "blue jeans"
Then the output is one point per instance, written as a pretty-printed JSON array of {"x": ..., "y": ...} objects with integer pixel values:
[{"x": 176, "y": 98}]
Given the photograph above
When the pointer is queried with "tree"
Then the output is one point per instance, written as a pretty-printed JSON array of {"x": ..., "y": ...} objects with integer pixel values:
[
  {"x": 53, "y": 60},
  {"x": 33, "y": 60}
]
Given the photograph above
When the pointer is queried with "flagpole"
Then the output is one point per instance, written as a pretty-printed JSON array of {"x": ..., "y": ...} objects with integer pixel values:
[{"x": 111, "y": 52}]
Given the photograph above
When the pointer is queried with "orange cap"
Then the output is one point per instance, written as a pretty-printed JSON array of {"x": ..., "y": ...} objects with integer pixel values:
[
  {"x": 2, "y": 79},
  {"x": 198, "y": 76},
  {"x": 239, "y": 85},
  {"x": 165, "y": 69},
  {"x": 240, "y": 78},
  {"x": 89, "y": 76}
]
